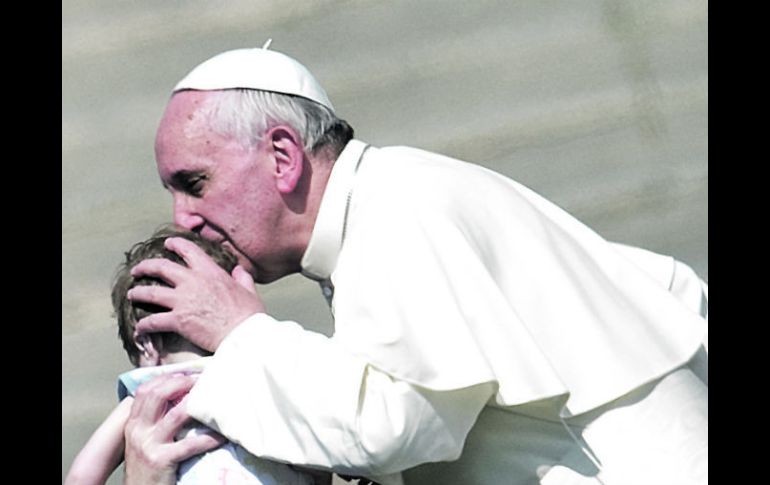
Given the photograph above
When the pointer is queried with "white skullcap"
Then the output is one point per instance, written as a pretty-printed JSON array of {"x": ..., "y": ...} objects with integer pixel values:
[{"x": 257, "y": 68}]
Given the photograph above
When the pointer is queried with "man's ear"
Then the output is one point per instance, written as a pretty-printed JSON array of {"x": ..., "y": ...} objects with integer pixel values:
[{"x": 289, "y": 157}]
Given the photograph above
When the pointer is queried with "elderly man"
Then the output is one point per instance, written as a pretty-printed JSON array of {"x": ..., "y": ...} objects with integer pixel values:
[{"x": 482, "y": 335}]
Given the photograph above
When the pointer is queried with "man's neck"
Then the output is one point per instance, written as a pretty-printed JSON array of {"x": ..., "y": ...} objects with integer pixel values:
[{"x": 317, "y": 173}]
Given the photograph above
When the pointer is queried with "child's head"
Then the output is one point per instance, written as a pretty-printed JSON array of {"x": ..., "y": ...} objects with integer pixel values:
[{"x": 159, "y": 347}]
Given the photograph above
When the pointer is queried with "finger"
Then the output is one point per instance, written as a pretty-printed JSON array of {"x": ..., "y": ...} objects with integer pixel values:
[
  {"x": 173, "y": 421},
  {"x": 162, "y": 389},
  {"x": 157, "y": 322},
  {"x": 191, "y": 253},
  {"x": 195, "y": 445},
  {"x": 157, "y": 295},
  {"x": 243, "y": 278},
  {"x": 152, "y": 398},
  {"x": 162, "y": 268}
]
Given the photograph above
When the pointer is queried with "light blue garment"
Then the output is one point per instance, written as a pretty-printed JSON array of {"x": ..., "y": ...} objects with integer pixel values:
[{"x": 129, "y": 382}]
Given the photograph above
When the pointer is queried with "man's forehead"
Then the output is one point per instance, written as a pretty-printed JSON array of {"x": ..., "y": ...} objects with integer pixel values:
[
  {"x": 188, "y": 99},
  {"x": 186, "y": 110},
  {"x": 185, "y": 126}
]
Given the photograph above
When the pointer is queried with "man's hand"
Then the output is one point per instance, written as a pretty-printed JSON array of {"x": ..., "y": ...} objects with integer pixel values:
[
  {"x": 206, "y": 303},
  {"x": 152, "y": 455}
]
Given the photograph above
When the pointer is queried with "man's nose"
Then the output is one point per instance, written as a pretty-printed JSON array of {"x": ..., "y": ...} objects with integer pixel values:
[{"x": 185, "y": 216}]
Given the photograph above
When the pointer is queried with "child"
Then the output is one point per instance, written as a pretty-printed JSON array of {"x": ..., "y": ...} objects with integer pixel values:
[{"x": 161, "y": 353}]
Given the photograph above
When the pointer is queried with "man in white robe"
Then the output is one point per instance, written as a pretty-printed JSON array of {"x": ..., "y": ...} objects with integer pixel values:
[{"x": 482, "y": 334}]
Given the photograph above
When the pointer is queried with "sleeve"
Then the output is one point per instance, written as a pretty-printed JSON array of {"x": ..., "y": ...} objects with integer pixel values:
[{"x": 296, "y": 396}]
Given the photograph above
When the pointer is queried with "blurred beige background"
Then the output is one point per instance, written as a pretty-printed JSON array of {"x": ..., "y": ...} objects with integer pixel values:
[{"x": 600, "y": 105}]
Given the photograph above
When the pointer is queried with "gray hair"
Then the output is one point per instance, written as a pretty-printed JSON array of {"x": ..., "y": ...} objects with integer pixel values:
[{"x": 246, "y": 114}]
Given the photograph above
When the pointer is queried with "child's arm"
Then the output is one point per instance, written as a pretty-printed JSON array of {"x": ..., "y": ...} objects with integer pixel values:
[{"x": 104, "y": 450}]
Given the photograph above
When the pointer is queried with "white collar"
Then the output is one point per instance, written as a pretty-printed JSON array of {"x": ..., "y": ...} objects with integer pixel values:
[{"x": 320, "y": 257}]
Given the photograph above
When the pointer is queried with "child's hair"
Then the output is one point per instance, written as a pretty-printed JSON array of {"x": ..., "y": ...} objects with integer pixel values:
[{"x": 128, "y": 312}]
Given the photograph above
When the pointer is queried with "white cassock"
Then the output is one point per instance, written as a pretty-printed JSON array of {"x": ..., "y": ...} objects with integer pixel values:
[{"x": 473, "y": 320}]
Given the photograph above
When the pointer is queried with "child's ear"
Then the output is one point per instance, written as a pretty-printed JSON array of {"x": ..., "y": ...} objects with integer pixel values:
[{"x": 150, "y": 347}]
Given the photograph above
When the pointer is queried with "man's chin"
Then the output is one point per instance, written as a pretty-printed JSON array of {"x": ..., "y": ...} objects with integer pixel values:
[{"x": 263, "y": 277}]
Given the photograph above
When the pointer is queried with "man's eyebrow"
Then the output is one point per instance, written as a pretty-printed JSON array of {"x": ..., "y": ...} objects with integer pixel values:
[{"x": 180, "y": 179}]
